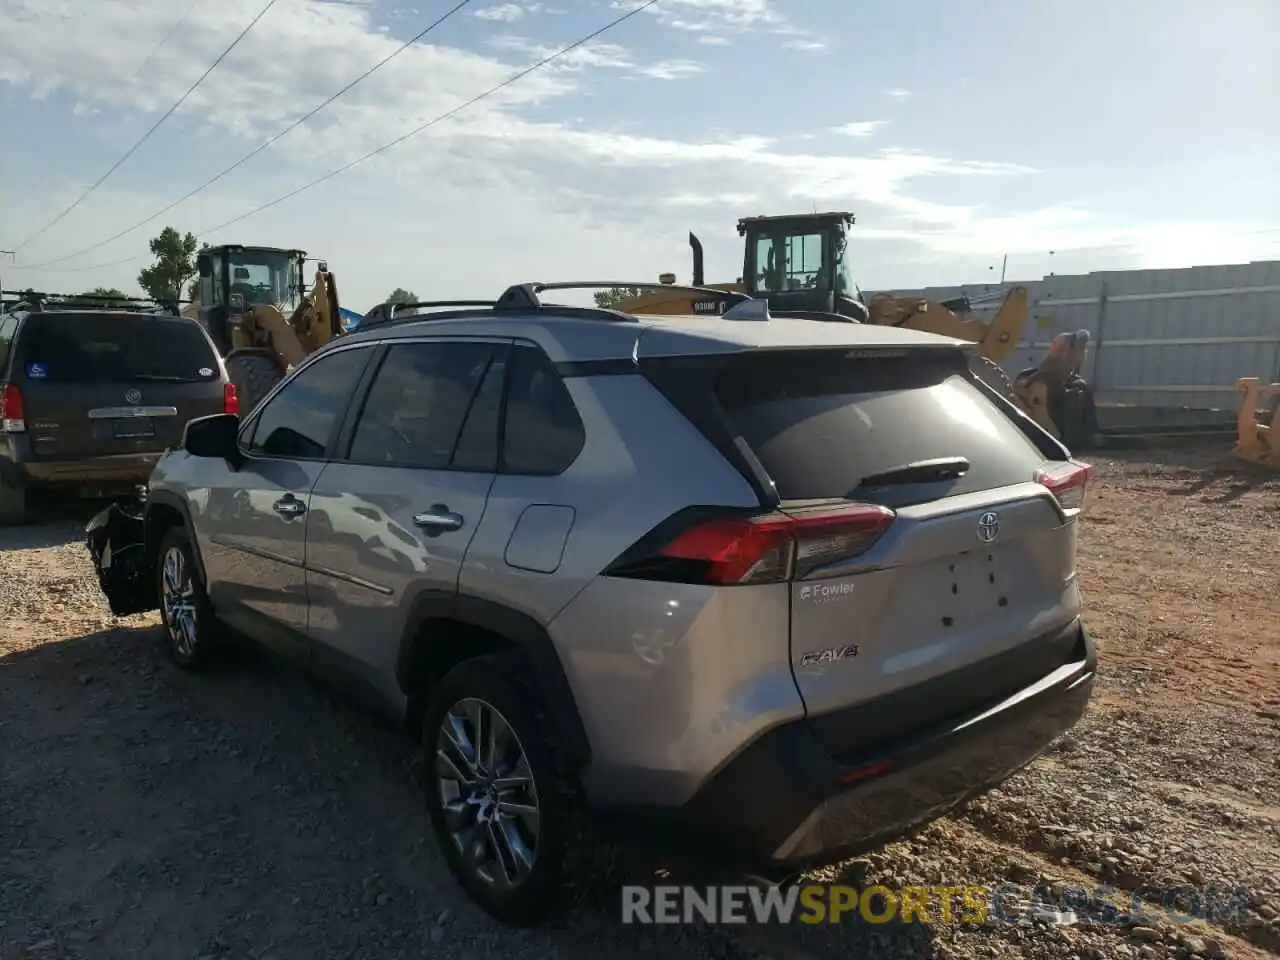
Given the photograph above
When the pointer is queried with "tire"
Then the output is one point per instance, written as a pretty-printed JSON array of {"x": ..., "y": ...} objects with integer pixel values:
[
  {"x": 254, "y": 377},
  {"x": 493, "y": 687},
  {"x": 193, "y": 641},
  {"x": 13, "y": 503}
]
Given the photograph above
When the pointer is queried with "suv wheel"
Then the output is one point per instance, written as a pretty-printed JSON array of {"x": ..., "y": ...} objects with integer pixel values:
[
  {"x": 184, "y": 608},
  {"x": 496, "y": 800}
]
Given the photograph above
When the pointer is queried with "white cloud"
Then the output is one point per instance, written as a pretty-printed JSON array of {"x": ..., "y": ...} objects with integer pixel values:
[
  {"x": 898, "y": 93},
  {"x": 516, "y": 187},
  {"x": 859, "y": 128},
  {"x": 507, "y": 12},
  {"x": 670, "y": 69},
  {"x": 810, "y": 46}
]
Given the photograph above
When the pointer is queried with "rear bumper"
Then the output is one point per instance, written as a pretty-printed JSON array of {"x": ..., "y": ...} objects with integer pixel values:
[
  {"x": 786, "y": 803},
  {"x": 112, "y": 472}
]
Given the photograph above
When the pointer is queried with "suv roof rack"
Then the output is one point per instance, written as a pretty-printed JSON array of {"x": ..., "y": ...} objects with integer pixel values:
[
  {"x": 524, "y": 297},
  {"x": 37, "y": 302}
]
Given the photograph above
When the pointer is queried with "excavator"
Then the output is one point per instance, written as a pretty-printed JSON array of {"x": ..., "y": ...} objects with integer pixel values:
[
  {"x": 245, "y": 292},
  {"x": 800, "y": 263}
]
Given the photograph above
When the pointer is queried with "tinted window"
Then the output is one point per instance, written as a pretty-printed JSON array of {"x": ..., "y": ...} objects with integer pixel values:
[
  {"x": 820, "y": 422},
  {"x": 543, "y": 433},
  {"x": 416, "y": 406},
  {"x": 114, "y": 347},
  {"x": 300, "y": 420},
  {"x": 477, "y": 448}
]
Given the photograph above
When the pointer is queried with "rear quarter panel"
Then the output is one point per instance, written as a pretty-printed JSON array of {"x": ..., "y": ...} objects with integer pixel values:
[{"x": 666, "y": 677}]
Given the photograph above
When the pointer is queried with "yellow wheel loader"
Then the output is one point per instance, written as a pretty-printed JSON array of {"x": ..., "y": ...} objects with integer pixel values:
[
  {"x": 801, "y": 264},
  {"x": 1258, "y": 423},
  {"x": 256, "y": 307}
]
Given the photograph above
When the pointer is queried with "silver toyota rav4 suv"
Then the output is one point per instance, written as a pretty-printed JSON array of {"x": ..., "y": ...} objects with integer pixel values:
[{"x": 769, "y": 589}]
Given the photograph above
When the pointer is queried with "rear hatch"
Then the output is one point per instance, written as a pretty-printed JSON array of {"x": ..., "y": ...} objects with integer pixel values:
[
  {"x": 930, "y": 566},
  {"x": 103, "y": 384}
]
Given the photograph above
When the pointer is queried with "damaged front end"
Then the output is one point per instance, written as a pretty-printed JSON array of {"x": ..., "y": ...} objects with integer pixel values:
[{"x": 117, "y": 541}]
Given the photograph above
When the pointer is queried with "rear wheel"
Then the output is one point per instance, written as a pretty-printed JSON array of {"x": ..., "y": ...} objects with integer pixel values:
[
  {"x": 13, "y": 503},
  {"x": 494, "y": 795},
  {"x": 254, "y": 377}
]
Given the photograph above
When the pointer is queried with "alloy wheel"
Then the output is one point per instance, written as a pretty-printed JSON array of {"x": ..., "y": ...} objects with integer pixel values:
[
  {"x": 178, "y": 599},
  {"x": 487, "y": 793}
]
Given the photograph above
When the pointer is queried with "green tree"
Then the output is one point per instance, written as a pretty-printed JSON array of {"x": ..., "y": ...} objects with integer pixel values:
[
  {"x": 615, "y": 295},
  {"x": 401, "y": 295},
  {"x": 175, "y": 264},
  {"x": 98, "y": 296}
]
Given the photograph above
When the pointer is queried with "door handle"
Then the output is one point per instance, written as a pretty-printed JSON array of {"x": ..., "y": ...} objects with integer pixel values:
[
  {"x": 289, "y": 506},
  {"x": 438, "y": 519}
]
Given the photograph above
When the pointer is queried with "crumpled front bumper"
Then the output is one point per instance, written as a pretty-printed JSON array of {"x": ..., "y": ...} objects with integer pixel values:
[{"x": 116, "y": 539}]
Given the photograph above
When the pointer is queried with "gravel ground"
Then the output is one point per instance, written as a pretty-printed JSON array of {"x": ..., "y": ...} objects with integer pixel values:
[{"x": 145, "y": 812}]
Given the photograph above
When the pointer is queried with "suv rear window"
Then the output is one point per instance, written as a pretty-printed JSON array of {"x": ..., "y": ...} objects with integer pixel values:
[
  {"x": 114, "y": 347},
  {"x": 821, "y": 421}
]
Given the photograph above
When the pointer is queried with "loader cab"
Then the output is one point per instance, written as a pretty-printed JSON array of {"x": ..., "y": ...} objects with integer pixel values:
[
  {"x": 801, "y": 262},
  {"x": 235, "y": 279}
]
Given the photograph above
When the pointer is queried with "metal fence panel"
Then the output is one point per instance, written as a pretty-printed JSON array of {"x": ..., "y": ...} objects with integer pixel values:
[{"x": 1161, "y": 338}]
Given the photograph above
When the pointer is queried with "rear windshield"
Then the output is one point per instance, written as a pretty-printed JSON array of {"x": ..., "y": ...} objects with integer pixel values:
[
  {"x": 822, "y": 421},
  {"x": 91, "y": 348}
]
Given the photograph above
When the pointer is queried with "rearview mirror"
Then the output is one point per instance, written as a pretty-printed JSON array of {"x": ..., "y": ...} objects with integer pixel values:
[
  {"x": 213, "y": 437},
  {"x": 204, "y": 266}
]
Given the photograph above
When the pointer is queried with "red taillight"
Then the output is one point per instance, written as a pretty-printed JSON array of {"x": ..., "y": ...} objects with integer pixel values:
[
  {"x": 13, "y": 414},
  {"x": 764, "y": 549},
  {"x": 1069, "y": 482},
  {"x": 230, "y": 399}
]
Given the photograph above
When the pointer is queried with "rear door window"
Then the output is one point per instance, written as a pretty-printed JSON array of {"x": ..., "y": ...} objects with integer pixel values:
[
  {"x": 114, "y": 348},
  {"x": 419, "y": 399},
  {"x": 820, "y": 422}
]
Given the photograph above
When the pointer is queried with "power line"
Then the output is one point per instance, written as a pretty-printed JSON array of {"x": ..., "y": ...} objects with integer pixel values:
[
  {"x": 263, "y": 146},
  {"x": 141, "y": 71},
  {"x": 154, "y": 127},
  {"x": 431, "y": 123}
]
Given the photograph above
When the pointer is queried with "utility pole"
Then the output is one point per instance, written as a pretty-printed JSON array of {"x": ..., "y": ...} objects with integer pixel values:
[{"x": 12, "y": 259}]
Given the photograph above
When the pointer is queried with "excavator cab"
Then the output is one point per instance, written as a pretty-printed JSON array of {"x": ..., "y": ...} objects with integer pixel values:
[
  {"x": 235, "y": 279},
  {"x": 801, "y": 262}
]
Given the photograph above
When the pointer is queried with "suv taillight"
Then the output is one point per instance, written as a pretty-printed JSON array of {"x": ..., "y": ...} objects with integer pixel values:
[
  {"x": 771, "y": 548},
  {"x": 13, "y": 415},
  {"x": 1069, "y": 482},
  {"x": 230, "y": 399}
]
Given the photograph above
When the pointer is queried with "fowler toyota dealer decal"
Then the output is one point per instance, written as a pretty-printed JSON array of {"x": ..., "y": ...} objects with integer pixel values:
[{"x": 825, "y": 592}]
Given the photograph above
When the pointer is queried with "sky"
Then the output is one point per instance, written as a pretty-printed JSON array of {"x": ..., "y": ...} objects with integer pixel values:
[{"x": 1069, "y": 135}]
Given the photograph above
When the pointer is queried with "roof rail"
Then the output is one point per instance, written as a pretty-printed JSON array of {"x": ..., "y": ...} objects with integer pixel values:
[
  {"x": 524, "y": 297},
  {"x": 389, "y": 311},
  {"x": 529, "y": 291}
]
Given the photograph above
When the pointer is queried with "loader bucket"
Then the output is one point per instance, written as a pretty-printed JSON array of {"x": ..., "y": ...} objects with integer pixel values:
[{"x": 1258, "y": 442}]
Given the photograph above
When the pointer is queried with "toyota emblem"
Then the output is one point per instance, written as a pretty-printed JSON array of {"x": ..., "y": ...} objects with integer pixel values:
[
  {"x": 988, "y": 527},
  {"x": 132, "y": 396}
]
